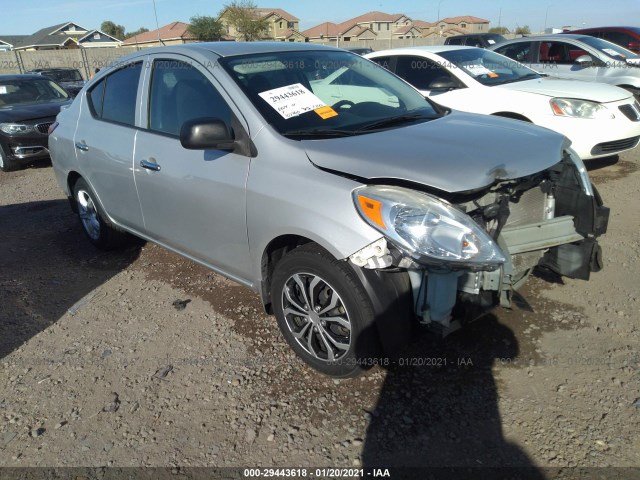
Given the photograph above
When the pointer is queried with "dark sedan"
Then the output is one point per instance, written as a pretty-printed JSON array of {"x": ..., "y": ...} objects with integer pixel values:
[
  {"x": 28, "y": 106},
  {"x": 68, "y": 78}
]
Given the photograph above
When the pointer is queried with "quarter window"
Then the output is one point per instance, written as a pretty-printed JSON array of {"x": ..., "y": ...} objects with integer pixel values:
[
  {"x": 180, "y": 92},
  {"x": 114, "y": 98}
]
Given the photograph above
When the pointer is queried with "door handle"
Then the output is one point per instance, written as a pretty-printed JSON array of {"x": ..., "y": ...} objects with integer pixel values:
[
  {"x": 82, "y": 146},
  {"x": 150, "y": 165}
]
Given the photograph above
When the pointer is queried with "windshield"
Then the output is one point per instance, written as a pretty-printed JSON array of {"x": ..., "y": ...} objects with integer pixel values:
[
  {"x": 63, "y": 75},
  {"x": 487, "y": 67},
  {"x": 17, "y": 92},
  {"x": 609, "y": 49},
  {"x": 326, "y": 92}
]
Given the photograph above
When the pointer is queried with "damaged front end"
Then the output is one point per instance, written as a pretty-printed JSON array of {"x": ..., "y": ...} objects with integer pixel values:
[{"x": 475, "y": 249}]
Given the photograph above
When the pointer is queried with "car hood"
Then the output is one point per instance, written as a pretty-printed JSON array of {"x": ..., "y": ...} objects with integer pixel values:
[
  {"x": 553, "y": 87},
  {"x": 22, "y": 113},
  {"x": 455, "y": 153}
]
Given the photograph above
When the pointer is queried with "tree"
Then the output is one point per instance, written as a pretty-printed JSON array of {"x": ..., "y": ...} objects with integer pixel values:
[
  {"x": 206, "y": 28},
  {"x": 112, "y": 29},
  {"x": 241, "y": 15},
  {"x": 500, "y": 30},
  {"x": 136, "y": 32},
  {"x": 523, "y": 30}
]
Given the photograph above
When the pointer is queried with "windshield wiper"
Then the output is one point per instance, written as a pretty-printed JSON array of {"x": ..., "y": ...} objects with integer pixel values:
[
  {"x": 388, "y": 122},
  {"x": 319, "y": 132},
  {"x": 528, "y": 76}
]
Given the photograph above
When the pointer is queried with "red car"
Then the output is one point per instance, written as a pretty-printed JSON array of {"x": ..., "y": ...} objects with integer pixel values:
[{"x": 627, "y": 37}]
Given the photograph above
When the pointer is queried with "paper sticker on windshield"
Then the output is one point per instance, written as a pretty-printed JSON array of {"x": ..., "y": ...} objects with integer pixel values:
[
  {"x": 493, "y": 75},
  {"x": 491, "y": 41},
  {"x": 613, "y": 53},
  {"x": 292, "y": 100},
  {"x": 3, "y": 89},
  {"x": 326, "y": 112},
  {"x": 478, "y": 70}
]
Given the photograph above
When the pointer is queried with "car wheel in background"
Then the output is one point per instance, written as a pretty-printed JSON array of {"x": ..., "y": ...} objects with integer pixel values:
[
  {"x": 6, "y": 165},
  {"x": 96, "y": 226},
  {"x": 324, "y": 311}
]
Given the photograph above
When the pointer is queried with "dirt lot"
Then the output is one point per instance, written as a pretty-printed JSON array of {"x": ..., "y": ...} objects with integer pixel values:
[{"x": 98, "y": 367}]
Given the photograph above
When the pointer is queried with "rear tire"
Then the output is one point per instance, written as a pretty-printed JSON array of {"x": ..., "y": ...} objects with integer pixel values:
[
  {"x": 95, "y": 224},
  {"x": 324, "y": 312}
]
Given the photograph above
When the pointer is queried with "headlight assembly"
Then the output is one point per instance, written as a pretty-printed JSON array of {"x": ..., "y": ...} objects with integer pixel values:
[
  {"x": 428, "y": 229},
  {"x": 16, "y": 128},
  {"x": 576, "y": 108}
]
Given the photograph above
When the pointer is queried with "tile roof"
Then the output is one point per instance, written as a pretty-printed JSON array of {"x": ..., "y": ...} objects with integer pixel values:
[
  {"x": 265, "y": 12},
  {"x": 41, "y": 37},
  {"x": 465, "y": 19},
  {"x": 172, "y": 31}
]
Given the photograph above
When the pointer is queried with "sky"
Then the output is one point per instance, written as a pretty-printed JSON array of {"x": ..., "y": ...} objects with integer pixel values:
[{"x": 28, "y": 16}]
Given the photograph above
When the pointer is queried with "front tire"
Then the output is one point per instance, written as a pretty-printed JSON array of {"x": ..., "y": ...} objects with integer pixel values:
[
  {"x": 324, "y": 312},
  {"x": 98, "y": 229},
  {"x": 6, "y": 165}
]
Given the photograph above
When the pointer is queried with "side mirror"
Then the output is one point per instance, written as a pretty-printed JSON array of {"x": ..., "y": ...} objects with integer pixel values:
[
  {"x": 443, "y": 83},
  {"x": 584, "y": 60},
  {"x": 206, "y": 133}
]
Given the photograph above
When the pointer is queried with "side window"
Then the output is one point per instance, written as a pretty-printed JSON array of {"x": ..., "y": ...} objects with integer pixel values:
[
  {"x": 555, "y": 52},
  {"x": 422, "y": 73},
  {"x": 384, "y": 62},
  {"x": 454, "y": 41},
  {"x": 95, "y": 98},
  {"x": 517, "y": 51},
  {"x": 620, "y": 38},
  {"x": 473, "y": 42},
  {"x": 179, "y": 92},
  {"x": 120, "y": 93}
]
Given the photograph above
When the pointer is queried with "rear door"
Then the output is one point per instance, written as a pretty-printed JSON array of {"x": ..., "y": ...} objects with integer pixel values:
[
  {"x": 105, "y": 139},
  {"x": 193, "y": 201}
]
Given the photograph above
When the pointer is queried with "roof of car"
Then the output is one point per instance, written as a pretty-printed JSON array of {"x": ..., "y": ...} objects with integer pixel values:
[
  {"x": 546, "y": 38},
  {"x": 53, "y": 69},
  {"x": 15, "y": 76},
  {"x": 591, "y": 29},
  {"x": 430, "y": 49},
  {"x": 228, "y": 49}
]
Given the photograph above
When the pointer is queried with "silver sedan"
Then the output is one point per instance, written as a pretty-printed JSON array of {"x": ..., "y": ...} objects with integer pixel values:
[{"x": 352, "y": 205}]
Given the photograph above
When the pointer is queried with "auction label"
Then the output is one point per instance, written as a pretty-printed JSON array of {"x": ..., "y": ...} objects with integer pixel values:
[{"x": 292, "y": 100}]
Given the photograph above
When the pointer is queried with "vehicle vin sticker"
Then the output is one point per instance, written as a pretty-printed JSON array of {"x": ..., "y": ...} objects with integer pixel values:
[
  {"x": 292, "y": 100},
  {"x": 3, "y": 89}
]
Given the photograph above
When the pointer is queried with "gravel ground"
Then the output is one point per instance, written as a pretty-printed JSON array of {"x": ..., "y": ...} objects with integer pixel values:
[{"x": 141, "y": 358}]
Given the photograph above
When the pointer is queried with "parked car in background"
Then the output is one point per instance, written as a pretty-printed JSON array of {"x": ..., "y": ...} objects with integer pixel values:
[
  {"x": 599, "y": 119},
  {"x": 354, "y": 207},
  {"x": 482, "y": 40},
  {"x": 69, "y": 78},
  {"x": 627, "y": 37},
  {"x": 28, "y": 106},
  {"x": 360, "y": 50},
  {"x": 577, "y": 56}
]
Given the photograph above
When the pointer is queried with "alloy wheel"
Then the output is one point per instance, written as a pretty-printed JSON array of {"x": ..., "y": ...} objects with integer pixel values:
[{"x": 316, "y": 317}]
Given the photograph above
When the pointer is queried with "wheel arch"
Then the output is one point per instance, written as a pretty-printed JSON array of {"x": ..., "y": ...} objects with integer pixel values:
[
  {"x": 72, "y": 178},
  {"x": 272, "y": 254},
  {"x": 512, "y": 115}
]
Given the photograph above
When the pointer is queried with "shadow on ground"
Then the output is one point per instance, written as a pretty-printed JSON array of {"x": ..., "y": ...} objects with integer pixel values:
[
  {"x": 46, "y": 266},
  {"x": 437, "y": 415}
]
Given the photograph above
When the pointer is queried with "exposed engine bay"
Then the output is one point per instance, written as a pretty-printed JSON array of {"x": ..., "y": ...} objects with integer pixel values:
[{"x": 549, "y": 219}]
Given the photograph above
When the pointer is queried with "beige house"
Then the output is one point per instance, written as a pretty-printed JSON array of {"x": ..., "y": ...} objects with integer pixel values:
[
  {"x": 281, "y": 25},
  {"x": 174, "y": 33},
  {"x": 448, "y": 27},
  {"x": 369, "y": 26}
]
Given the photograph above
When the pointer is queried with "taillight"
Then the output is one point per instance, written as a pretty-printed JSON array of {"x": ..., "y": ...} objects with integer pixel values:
[
  {"x": 635, "y": 46},
  {"x": 52, "y": 127}
]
